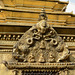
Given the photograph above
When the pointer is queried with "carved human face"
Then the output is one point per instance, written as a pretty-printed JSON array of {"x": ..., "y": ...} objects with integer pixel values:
[{"x": 43, "y": 26}]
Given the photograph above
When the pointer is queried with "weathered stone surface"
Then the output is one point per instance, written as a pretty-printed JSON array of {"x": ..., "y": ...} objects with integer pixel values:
[{"x": 41, "y": 43}]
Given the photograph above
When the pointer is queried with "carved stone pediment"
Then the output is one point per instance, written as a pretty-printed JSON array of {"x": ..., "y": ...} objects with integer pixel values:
[{"x": 41, "y": 44}]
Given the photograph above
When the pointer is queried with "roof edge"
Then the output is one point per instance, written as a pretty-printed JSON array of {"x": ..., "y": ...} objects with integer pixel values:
[{"x": 19, "y": 10}]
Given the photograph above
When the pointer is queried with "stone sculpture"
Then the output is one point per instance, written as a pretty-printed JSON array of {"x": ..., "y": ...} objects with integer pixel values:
[{"x": 42, "y": 44}]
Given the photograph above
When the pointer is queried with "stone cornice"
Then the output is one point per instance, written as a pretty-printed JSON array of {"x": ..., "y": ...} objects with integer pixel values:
[{"x": 21, "y": 65}]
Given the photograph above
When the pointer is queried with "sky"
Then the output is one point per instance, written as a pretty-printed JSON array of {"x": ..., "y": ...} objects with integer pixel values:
[{"x": 71, "y": 6}]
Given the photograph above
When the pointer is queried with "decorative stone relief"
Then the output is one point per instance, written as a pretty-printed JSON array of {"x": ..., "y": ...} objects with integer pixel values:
[{"x": 42, "y": 44}]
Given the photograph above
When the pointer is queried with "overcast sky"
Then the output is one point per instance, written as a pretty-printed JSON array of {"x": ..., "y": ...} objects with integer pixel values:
[{"x": 71, "y": 6}]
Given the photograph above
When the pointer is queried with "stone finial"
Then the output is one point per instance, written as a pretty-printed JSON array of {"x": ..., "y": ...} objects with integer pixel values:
[{"x": 42, "y": 15}]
